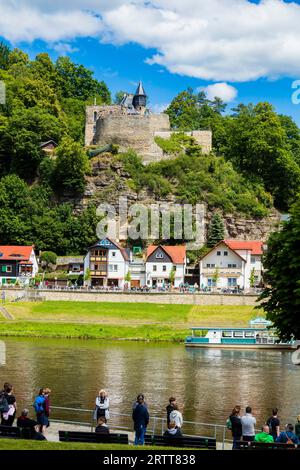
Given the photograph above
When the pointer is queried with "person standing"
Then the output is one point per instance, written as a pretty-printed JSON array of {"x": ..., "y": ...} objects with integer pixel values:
[
  {"x": 8, "y": 417},
  {"x": 140, "y": 418},
  {"x": 274, "y": 424},
  {"x": 39, "y": 406},
  {"x": 236, "y": 426},
  {"x": 102, "y": 405},
  {"x": 297, "y": 427},
  {"x": 47, "y": 392},
  {"x": 176, "y": 416},
  {"x": 170, "y": 408},
  {"x": 248, "y": 425}
]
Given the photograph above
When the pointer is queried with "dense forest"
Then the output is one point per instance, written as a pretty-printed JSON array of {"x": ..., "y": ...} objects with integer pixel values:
[{"x": 254, "y": 166}]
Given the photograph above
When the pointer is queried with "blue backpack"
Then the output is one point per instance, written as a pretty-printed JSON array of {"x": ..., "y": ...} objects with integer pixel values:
[{"x": 39, "y": 404}]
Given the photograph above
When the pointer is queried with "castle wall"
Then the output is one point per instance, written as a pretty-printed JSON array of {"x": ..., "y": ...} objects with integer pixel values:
[
  {"x": 132, "y": 131},
  {"x": 90, "y": 122}
]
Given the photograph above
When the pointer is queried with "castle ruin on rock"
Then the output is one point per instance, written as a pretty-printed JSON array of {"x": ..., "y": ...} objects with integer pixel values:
[{"x": 131, "y": 125}]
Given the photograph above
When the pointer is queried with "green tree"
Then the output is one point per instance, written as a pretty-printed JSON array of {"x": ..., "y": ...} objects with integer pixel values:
[
  {"x": 119, "y": 96},
  {"x": 252, "y": 278},
  {"x": 71, "y": 167},
  {"x": 216, "y": 276},
  {"x": 258, "y": 145},
  {"x": 172, "y": 276},
  {"x": 48, "y": 258},
  {"x": 78, "y": 82},
  {"x": 4, "y": 55},
  {"x": 216, "y": 230},
  {"x": 281, "y": 299}
]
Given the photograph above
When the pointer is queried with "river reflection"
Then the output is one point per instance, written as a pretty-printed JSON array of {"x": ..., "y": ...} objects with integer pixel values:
[{"x": 206, "y": 383}]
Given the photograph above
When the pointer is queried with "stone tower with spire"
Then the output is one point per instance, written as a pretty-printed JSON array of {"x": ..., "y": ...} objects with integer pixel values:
[{"x": 140, "y": 99}]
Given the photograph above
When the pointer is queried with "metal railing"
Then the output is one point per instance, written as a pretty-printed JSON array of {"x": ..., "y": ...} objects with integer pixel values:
[{"x": 123, "y": 421}]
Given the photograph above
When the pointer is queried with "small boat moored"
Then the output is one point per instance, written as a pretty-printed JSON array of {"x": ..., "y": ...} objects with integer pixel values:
[{"x": 259, "y": 335}]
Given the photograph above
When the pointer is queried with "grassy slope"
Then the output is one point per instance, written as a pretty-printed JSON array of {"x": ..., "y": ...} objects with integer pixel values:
[{"x": 157, "y": 322}]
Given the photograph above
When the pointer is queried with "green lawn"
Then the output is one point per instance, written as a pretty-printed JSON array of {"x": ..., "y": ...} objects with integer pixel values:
[
  {"x": 21, "y": 444},
  {"x": 109, "y": 320}
]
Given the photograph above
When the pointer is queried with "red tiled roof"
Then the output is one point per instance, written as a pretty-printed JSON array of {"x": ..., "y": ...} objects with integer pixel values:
[
  {"x": 252, "y": 245},
  {"x": 176, "y": 253},
  {"x": 11, "y": 252}
]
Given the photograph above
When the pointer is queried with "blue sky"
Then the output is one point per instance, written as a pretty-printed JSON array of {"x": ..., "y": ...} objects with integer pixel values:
[{"x": 251, "y": 48}]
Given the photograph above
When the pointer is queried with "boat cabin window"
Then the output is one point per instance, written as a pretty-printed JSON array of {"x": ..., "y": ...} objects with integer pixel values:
[
  {"x": 249, "y": 334},
  {"x": 238, "y": 334},
  {"x": 227, "y": 334}
]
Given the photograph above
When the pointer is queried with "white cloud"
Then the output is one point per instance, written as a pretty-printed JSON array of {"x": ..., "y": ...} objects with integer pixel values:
[
  {"x": 224, "y": 91},
  {"x": 63, "y": 48},
  {"x": 215, "y": 40}
]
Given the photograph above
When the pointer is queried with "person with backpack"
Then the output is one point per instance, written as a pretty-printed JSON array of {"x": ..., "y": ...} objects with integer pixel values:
[
  {"x": 9, "y": 405},
  {"x": 39, "y": 406},
  {"x": 234, "y": 423},
  {"x": 4, "y": 407},
  {"x": 274, "y": 424},
  {"x": 288, "y": 436}
]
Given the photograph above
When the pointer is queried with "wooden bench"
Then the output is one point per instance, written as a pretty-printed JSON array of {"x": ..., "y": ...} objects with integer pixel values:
[
  {"x": 243, "y": 445},
  {"x": 185, "y": 441},
  {"x": 10, "y": 432},
  {"x": 77, "y": 436}
]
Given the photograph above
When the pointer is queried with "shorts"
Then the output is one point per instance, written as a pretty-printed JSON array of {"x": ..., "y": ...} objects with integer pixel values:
[{"x": 42, "y": 419}]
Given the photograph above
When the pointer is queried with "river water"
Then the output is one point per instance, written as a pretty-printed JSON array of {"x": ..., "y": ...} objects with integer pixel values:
[{"x": 206, "y": 383}]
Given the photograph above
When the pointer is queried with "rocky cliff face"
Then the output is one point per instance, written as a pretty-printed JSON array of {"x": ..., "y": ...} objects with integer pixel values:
[{"x": 109, "y": 181}]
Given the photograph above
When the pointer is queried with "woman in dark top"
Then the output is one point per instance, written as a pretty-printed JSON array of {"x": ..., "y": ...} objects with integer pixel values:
[
  {"x": 9, "y": 417},
  {"x": 102, "y": 427},
  {"x": 236, "y": 426}
]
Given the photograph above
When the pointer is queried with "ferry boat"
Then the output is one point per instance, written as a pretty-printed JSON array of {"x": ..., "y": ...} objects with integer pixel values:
[{"x": 259, "y": 335}]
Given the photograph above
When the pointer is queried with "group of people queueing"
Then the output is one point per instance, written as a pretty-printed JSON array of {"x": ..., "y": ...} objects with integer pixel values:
[
  {"x": 140, "y": 417},
  {"x": 243, "y": 428},
  {"x": 8, "y": 410}
]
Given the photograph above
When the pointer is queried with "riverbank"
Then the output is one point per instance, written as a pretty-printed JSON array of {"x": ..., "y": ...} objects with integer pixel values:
[{"x": 117, "y": 321}]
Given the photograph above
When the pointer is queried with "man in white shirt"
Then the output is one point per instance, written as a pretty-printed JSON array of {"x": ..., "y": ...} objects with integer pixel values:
[{"x": 248, "y": 425}]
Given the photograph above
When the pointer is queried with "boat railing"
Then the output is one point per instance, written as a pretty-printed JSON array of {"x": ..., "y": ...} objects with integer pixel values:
[{"x": 123, "y": 421}]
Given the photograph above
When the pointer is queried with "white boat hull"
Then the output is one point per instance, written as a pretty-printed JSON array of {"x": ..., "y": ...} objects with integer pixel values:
[{"x": 242, "y": 346}]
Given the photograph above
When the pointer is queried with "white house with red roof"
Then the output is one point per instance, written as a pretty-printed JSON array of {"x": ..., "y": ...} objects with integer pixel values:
[
  {"x": 160, "y": 261},
  {"x": 233, "y": 264},
  {"x": 107, "y": 263},
  {"x": 17, "y": 263}
]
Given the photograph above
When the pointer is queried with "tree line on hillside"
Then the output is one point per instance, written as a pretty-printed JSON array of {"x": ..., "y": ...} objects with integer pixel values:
[{"x": 254, "y": 163}]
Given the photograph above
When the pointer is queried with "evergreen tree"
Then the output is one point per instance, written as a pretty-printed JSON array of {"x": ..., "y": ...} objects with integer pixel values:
[
  {"x": 281, "y": 299},
  {"x": 216, "y": 231}
]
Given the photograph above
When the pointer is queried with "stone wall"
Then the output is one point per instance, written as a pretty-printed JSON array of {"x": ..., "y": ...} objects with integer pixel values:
[
  {"x": 163, "y": 298},
  {"x": 90, "y": 122},
  {"x": 133, "y": 131}
]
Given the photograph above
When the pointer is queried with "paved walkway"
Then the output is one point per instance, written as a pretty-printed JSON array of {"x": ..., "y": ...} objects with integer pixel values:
[
  {"x": 52, "y": 433},
  {"x": 6, "y": 314}
]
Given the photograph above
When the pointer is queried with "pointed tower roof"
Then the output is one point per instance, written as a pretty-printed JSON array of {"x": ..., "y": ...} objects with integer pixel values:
[{"x": 140, "y": 90}]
